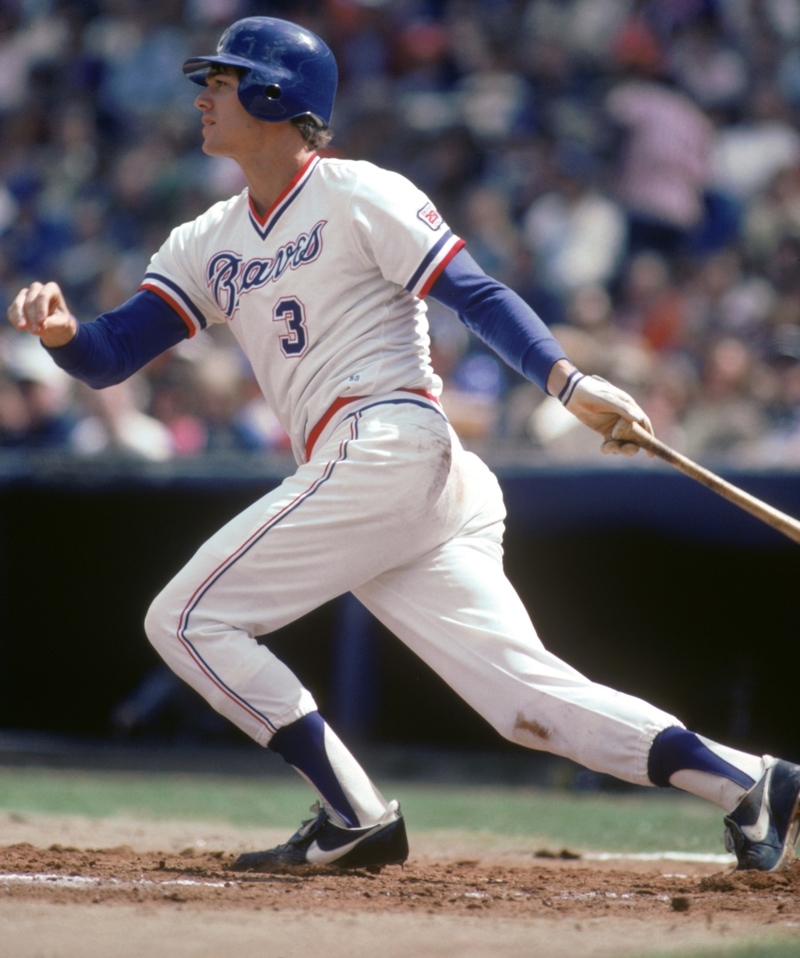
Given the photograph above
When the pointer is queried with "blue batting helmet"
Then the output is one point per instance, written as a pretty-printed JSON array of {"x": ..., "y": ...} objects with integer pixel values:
[{"x": 290, "y": 71}]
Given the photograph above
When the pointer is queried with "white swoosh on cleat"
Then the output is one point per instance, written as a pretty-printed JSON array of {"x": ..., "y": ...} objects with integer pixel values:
[
  {"x": 319, "y": 856},
  {"x": 760, "y": 829}
]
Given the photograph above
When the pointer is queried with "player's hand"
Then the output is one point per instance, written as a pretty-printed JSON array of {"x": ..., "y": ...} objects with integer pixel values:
[
  {"x": 604, "y": 408},
  {"x": 42, "y": 310}
]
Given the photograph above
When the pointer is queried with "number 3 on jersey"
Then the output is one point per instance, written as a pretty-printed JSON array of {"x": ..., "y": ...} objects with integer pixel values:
[{"x": 291, "y": 312}]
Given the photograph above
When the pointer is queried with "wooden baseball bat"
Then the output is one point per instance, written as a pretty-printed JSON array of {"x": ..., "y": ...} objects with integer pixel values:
[{"x": 773, "y": 517}]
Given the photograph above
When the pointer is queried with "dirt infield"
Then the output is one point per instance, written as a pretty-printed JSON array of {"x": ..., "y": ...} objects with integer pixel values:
[
  {"x": 570, "y": 889},
  {"x": 496, "y": 901}
]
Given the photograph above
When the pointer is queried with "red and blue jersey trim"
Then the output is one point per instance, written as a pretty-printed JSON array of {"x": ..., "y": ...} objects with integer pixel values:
[
  {"x": 175, "y": 297},
  {"x": 432, "y": 265},
  {"x": 263, "y": 224},
  {"x": 343, "y": 401}
]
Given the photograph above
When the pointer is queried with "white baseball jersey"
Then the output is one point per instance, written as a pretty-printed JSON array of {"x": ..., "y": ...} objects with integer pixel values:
[{"x": 323, "y": 293}]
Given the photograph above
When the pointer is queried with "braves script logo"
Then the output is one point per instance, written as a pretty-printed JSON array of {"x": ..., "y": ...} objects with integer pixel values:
[
  {"x": 229, "y": 277},
  {"x": 430, "y": 216}
]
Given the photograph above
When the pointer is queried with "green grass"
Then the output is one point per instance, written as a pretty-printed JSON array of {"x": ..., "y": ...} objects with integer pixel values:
[
  {"x": 586, "y": 820},
  {"x": 238, "y": 801},
  {"x": 583, "y": 821},
  {"x": 784, "y": 949}
]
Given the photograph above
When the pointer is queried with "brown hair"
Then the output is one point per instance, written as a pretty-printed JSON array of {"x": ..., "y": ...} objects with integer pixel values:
[{"x": 316, "y": 133}]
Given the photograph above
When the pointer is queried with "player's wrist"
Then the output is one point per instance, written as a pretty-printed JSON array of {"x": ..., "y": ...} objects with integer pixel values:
[
  {"x": 558, "y": 376},
  {"x": 59, "y": 335}
]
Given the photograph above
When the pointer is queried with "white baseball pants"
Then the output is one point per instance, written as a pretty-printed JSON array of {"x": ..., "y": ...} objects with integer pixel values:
[{"x": 392, "y": 508}]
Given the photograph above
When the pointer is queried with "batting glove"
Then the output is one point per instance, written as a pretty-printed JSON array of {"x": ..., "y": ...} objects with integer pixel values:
[{"x": 605, "y": 409}]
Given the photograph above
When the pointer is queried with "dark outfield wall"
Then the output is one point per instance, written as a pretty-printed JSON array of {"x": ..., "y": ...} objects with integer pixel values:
[{"x": 641, "y": 579}]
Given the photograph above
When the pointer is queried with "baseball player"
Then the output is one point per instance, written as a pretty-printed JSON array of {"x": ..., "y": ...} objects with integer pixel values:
[{"x": 320, "y": 269}]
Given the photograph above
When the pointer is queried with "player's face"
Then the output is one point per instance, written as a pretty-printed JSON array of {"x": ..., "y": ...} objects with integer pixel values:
[{"x": 228, "y": 129}]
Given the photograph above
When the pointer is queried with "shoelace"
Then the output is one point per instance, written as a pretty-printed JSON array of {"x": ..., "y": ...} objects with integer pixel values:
[{"x": 305, "y": 825}]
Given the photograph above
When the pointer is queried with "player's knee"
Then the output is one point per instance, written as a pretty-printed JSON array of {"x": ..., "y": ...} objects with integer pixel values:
[{"x": 160, "y": 624}]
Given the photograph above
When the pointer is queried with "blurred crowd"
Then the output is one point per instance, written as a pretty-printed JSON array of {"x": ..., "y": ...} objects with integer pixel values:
[{"x": 631, "y": 169}]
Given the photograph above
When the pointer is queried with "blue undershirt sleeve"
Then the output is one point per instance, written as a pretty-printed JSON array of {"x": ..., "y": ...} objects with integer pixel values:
[
  {"x": 120, "y": 342},
  {"x": 499, "y": 317}
]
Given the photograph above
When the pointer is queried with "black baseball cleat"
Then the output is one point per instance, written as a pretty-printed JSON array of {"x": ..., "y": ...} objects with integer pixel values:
[
  {"x": 762, "y": 830},
  {"x": 319, "y": 841}
]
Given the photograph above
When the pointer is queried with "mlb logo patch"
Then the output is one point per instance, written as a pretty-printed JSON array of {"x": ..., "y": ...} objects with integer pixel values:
[{"x": 430, "y": 216}]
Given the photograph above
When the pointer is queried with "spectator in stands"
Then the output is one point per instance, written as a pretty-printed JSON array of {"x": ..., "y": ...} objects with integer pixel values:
[
  {"x": 576, "y": 233},
  {"x": 665, "y": 164},
  {"x": 499, "y": 112},
  {"x": 35, "y": 410}
]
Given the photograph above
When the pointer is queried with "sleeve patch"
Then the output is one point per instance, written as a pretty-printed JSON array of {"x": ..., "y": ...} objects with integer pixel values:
[{"x": 430, "y": 216}]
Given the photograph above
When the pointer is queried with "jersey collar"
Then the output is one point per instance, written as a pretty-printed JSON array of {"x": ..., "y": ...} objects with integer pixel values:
[{"x": 263, "y": 225}]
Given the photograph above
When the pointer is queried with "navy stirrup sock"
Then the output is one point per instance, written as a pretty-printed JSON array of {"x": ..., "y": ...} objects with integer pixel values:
[
  {"x": 302, "y": 744},
  {"x": 677, "y": 749}
]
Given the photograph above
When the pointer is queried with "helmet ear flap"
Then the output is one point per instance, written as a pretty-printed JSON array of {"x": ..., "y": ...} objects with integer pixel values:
[{"x": 273, "y": 91}]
